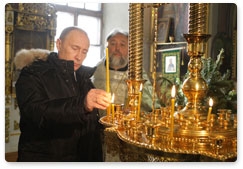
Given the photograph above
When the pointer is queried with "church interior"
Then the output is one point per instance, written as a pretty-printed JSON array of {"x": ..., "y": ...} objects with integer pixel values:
[{"x": 198, "y": 119}]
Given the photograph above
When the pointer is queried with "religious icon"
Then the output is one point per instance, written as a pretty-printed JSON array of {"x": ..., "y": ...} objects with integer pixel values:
[{"x": 170, "y": 64}]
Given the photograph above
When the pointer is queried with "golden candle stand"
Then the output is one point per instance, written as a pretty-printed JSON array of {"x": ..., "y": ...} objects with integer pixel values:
[
  {"x": 215, "y": 139},
  {"x": 193, "y": 130}
]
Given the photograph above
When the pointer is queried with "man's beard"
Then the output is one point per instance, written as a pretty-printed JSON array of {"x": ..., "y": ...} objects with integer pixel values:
[{"x": 118, "y": 62}]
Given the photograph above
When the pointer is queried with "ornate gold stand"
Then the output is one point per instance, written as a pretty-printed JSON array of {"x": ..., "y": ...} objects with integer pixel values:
[
  {"x": 187, "y": 131},
  {"x": 195, "y": 87}
]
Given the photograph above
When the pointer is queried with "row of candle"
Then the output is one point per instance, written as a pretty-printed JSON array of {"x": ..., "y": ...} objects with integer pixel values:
[
  {"x": 111, "y": 108},
  {"x": 173, "y": 108},
  {"x": 140, "y": 95}
]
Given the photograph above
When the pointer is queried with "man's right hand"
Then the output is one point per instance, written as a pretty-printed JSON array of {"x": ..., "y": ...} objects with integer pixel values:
[{"x": 97, "y": 98}]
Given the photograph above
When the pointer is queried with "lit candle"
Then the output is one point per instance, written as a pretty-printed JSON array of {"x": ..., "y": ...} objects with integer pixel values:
[
  {"x": 196, "y": 93},
  {"x": 139, "y": 100},
  {"x": 197, "y": 86},
  {"x": 113, "y": 107},
  {"x": 210, "y": 108},
  {"x": 172, "y": 110},
  {"x": 107, "y": 80}
]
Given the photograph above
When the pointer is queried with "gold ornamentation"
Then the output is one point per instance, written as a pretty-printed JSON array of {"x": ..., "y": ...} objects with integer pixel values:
[
  {"x": 35, "y": 16},
  {"x": 191, "y": 133},
  {"x": 7, "y": 124}
]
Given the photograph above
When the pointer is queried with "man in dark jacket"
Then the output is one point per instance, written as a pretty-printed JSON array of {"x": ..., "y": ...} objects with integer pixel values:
[{"x": 58, "y": 103}]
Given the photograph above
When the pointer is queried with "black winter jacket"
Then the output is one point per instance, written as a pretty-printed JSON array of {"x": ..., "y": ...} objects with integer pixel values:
[{"x": 53, "y": 121}]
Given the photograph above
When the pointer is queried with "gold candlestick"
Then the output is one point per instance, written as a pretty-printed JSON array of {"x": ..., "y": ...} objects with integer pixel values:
[
  {"x": 172, "y": 111},
  {"x": 107, "y": 80},
  {"x": 210, "y": 108}
]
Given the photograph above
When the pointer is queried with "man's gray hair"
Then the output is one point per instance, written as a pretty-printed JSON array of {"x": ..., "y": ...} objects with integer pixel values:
[{"x": 115, "y": 32}]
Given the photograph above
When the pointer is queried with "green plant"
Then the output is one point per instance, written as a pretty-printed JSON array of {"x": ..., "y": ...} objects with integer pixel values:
[{"x": 220, "y": 87}]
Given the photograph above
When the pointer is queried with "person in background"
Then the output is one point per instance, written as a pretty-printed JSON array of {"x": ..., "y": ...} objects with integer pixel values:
[
  {"x": 58, "y": 102},
  {"x": 117, "y": 42}
]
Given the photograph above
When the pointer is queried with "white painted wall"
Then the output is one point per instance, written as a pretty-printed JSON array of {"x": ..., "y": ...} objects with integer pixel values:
[{"x": 116, "y": 15}]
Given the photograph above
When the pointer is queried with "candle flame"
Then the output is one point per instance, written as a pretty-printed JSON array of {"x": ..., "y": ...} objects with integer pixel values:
[
  {"x": 210, "y": 102},
  {"x": 197, "y": 86},
  {"x": 113, "y": 98},
  {"x": 173, "y": 91},
  {"x": 141, "y": 87}
]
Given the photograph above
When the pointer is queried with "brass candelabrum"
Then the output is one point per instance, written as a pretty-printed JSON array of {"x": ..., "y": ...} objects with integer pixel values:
[
  {"x": 195, "y": 87},
  {"x": 191, "y": 130}
]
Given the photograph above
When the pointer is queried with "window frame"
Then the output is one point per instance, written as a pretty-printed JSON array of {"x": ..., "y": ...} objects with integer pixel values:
[{"x": 82, "y": 11}]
